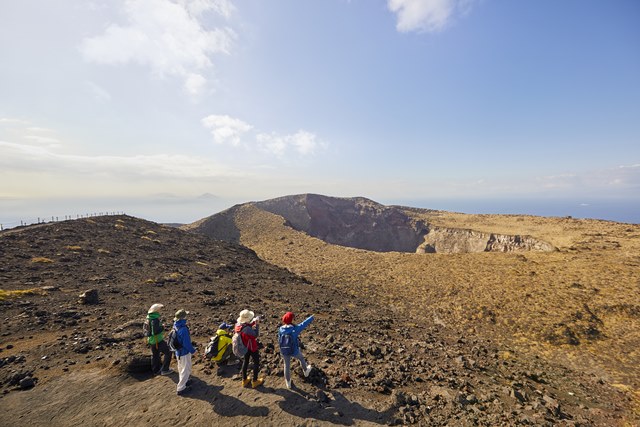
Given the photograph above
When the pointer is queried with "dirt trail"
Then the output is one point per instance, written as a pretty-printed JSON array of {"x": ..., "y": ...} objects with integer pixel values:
[{"x": 109, "y": 398}]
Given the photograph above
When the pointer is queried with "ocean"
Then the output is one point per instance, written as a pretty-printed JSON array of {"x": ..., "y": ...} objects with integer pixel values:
[
  {"x": 627, "y": 211},
  {"x": 15, "y": 212}
]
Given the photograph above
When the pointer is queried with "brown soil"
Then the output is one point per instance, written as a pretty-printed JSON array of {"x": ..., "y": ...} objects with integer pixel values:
[
  {"x": 576, "y": 307},
  {"x": 386, "y": 348}
]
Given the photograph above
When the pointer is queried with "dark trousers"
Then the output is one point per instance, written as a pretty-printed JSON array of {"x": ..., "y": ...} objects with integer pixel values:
[
  {"x": 162, "y": 347},
  {"x": 227, "y": 356},
  {"x": 256, "y": 364}
]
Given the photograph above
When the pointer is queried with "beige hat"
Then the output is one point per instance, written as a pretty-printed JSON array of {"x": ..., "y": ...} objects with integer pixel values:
[
  {"x": 155, "y": 308},
  {"x": 180, "y": 314},
  {"x": 245, "y": 316}
]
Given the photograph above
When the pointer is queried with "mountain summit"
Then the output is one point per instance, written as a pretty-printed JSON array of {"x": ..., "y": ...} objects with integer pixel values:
[{"x": 361, "y": 223}]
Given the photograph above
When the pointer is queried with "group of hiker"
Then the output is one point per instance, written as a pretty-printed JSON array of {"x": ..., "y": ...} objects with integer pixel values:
[{"x": 231, "y": 344}]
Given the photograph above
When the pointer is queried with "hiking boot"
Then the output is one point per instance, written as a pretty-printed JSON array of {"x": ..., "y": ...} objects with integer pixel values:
[
  {"x": 167, "y": 372},
  {"x": 257, "y": 383},
  {"x": 307, "y": 371},
  {"x": 183, "y": 391},
  {"x": 246, "y": 382}
]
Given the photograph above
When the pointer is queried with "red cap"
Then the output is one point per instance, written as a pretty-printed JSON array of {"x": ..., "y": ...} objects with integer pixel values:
[{"x": 287, "y": 319}]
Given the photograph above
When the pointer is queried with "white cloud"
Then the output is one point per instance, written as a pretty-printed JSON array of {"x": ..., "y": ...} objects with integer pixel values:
[
  {"x": 226, "y": 129},
  {"x": 39, "y": 129},
  {"x": 272, "y": 143},
  {"x": 195, "y": 83},
  {"x": 198, "y": 7},
  {"x": 169, "y": 37},
  {"x": 22, "y": 130},
  {"x": 21, "y": 157},
  {"x": 44, "y": 140},
  {"x": 12, "y": 121},
  {"x": 425, "y": 15},
  {"x": 302, "y": 142}
]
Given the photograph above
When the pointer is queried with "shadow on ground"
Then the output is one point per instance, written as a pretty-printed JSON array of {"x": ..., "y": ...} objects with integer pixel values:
[
  {"x": 338, "y": 410},
  {"x": 222, "y": 404}
]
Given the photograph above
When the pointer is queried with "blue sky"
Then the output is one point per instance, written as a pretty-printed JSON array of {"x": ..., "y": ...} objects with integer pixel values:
[{"x": 145, "y": 106}]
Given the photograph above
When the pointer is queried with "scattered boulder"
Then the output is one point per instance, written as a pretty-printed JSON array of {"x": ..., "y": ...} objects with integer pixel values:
[
  {"x": 89, "y": 296},
  {"x": 552, "y": 405},
  {"x": 518, "y": 394},
  {"x": 398, "y": 398},
  {"x": 27, "y": 383}
]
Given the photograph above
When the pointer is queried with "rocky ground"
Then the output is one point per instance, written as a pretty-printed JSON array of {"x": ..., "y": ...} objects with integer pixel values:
[
  {"x": 576, "y": 306},
  {"x": 66, "y": 360}
]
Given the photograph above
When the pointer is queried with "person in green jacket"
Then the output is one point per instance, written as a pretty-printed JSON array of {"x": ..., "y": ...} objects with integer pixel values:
[{"x": 153, "y": 331}]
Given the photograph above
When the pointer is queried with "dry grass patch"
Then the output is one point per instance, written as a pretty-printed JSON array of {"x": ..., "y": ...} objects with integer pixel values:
[
  {"x": 172, "y": 277},
  {"x": 103, "y": 251},
  {"x": 584, "y": 294},
  {"x": 202, "y": 263},
  {"x": 41, "y": 260},
  {"x": 5, "y": 295},
  {"x": 167, "y": 278},
  {"x": 73, "y": 248}
]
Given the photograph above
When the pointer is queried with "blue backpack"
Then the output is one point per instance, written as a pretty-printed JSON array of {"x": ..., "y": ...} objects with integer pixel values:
[
  {"x": 287, "y": 342},
  {"x": 173, "y": 340}
]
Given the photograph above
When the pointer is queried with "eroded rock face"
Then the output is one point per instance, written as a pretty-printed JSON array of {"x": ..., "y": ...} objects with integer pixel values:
[
  {"x": 364, "y": 224},
  {"x": 355, "y": 222},
  {"x": 455, "y": 240}
]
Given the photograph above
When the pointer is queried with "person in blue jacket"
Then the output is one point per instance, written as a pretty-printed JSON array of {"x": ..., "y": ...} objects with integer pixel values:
[
  {"x": 290, "y": 347},
  {"x": 183, "y": 354}
]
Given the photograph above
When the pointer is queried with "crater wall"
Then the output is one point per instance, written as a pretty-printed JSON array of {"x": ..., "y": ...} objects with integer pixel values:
[
  {"x": 455, "y": 240},
  {"x": 355, "y": 222},
  {"x": 364, "y": 224}
]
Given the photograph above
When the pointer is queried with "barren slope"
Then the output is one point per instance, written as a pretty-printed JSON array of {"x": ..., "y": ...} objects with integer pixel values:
[
  {"x": 577, "y": 306},
  {"x": 374, "y": 364}
]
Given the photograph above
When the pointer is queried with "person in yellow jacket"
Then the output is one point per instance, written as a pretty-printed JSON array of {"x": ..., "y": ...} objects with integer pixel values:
[{"x": 225, "y": 354}]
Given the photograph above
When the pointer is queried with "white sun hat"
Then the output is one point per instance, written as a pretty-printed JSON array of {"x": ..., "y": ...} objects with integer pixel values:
[
  {"x": 246, "y": 316},
  {"x": 155, "y": 308}
]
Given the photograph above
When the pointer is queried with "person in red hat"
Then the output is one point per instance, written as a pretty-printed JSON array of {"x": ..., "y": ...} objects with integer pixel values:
[{"x": 290, "y": 345}]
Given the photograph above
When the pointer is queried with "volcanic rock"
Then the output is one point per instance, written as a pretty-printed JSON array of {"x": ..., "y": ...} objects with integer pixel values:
[{"x": 89, "y": 297}]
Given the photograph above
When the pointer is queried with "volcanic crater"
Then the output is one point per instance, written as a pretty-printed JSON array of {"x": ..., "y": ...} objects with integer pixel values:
[
  {"x": 466, "y": 338},
  {"x": 364, "y": 224}
]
